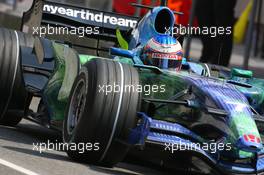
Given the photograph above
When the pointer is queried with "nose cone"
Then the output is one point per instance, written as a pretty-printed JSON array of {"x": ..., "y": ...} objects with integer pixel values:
[{"x": 249, "y": 143}]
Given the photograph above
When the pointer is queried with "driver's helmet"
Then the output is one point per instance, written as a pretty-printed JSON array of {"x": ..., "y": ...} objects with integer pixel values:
[{"x": 164, "y": 52}]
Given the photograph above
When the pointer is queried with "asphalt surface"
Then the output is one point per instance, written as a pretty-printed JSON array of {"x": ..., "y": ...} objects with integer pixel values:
[{"x": 18, "y": 156}]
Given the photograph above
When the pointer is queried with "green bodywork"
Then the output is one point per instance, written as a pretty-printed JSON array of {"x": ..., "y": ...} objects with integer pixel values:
[
  {"x": 58, "y": 89},
  {"x": 57, "y": 92}
]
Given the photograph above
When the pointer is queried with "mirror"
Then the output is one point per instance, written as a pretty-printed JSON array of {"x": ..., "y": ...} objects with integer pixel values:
[
  {"x": 121, "y": 52},
  {"x": 241, "y": 73}
]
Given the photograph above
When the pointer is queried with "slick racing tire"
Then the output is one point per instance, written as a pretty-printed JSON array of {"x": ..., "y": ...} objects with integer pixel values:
[
  {"x": 13, "y": 93},
  {"x": 98, "y": 119}
]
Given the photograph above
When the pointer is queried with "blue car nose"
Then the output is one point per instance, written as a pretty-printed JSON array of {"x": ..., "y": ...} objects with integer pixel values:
[{"x": 249, "y": 143}]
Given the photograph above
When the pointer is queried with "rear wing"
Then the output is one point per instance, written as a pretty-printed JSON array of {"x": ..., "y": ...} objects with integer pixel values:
[{"x": 101, "y": 25}]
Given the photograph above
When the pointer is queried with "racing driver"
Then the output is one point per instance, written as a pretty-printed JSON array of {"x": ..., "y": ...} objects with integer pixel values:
[{"x": 164, "y": 52}]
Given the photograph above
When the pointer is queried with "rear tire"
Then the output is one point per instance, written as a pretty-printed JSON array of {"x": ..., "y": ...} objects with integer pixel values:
[
  {"x": 13, "y": 93},
  {"x": 100, "y": 118}
]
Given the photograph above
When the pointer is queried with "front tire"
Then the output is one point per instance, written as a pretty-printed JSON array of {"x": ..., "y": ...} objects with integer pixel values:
[{"x": 94, "y": 117}]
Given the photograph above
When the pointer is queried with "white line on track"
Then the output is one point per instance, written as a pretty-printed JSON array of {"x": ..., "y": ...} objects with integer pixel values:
[{"x": 17, "y": 168}]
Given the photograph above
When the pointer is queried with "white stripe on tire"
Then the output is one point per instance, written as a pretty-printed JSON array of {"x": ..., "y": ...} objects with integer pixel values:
[
  {"x": 117, "y": 113},
  {"x": 14, "y": 76},
  {"x": 17, "y": 58}
]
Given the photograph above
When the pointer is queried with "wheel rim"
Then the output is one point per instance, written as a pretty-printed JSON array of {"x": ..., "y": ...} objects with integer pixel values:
[{"x": 76, "y": 106}]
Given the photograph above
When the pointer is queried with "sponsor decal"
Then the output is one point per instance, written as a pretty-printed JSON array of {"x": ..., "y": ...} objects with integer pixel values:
[
  {"x": 252, "y": 138},
  {"x": 167, "y": 56},
  {"x": 90, "y": 16}
]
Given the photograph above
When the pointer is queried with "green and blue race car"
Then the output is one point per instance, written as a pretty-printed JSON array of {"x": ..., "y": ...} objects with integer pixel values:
[{"x": 132, "y": 98}]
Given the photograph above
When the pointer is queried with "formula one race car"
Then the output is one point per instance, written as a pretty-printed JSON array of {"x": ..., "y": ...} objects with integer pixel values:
[{"x": 143, "y": 94}]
